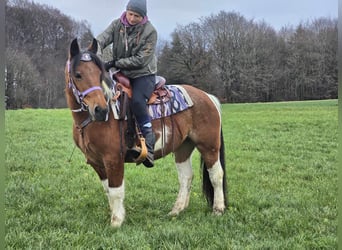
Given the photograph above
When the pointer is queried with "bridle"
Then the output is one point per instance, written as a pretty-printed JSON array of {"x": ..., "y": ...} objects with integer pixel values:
[{"x": 79, "y": 96}]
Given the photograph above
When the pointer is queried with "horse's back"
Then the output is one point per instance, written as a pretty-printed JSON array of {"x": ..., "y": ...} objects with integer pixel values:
[
  {"x": 202, "y": 122},
  {"x": 204, "y": 104}
]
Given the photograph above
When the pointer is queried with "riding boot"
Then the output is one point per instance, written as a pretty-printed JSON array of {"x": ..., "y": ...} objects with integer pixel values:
[{"x": 150, "y": 141}]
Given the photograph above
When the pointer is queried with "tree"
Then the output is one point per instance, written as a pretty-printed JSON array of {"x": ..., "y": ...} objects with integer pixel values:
[{"x": 189, "y": 57}]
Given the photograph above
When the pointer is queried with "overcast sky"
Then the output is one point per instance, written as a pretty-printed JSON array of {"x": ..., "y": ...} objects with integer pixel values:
[{"x": 165, "y": 15}]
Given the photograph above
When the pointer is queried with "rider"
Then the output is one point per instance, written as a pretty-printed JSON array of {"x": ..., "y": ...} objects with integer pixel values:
[{"x": 134, "y": 40}]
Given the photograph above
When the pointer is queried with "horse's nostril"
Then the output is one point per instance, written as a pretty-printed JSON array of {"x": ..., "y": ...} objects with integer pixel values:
[{"x": 100, "y": 113}]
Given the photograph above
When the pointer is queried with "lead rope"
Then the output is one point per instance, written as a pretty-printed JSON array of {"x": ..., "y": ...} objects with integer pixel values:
[
  {"x": 72, "y": 153},
  {"x": 162, "y": 124},
  {"x": 121, "y": 138}
]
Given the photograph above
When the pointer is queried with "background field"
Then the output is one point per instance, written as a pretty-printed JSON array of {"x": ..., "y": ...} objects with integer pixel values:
[{"x": 282, "y": 176}]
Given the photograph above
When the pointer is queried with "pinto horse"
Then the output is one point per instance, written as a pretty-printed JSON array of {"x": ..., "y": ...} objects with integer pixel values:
[{"x": 97, "y": 133}]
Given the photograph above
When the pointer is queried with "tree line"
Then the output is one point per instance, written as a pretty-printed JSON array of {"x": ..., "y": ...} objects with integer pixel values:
[
  {"x": 240, "y": 60},
  {"x": 236, "y": 59}
]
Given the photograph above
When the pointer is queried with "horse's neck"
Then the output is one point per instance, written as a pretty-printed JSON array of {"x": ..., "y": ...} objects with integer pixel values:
[{"x": 80, "y": 117}]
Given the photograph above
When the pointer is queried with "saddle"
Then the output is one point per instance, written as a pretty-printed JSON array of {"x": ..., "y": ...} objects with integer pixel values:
[{"x": 160, "y": 93}]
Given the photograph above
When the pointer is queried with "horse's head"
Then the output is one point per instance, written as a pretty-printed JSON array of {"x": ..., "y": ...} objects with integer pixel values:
[{"x": 84, "y": 76}]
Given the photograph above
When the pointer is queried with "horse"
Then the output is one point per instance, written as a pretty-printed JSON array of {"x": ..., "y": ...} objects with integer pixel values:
[{"x": 99, "y": 135}]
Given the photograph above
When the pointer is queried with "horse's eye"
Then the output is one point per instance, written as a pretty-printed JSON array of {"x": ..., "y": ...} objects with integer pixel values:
[{"x": 78, "y": 75}]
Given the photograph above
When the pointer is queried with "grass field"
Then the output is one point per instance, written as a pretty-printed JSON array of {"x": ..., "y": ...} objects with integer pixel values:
[{"x": 282, "y": 177}]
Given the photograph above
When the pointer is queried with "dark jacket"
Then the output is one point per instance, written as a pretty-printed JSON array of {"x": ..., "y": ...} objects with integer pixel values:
[{"x": 133, "y": 47}]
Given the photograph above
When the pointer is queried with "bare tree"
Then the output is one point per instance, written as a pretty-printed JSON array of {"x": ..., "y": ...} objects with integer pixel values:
[
  {"x": 22, "y": 80},
  {"x": 238, "y": 60},
  {"x": 245, "y": 61},
  {"x": 41, "y": 35}
]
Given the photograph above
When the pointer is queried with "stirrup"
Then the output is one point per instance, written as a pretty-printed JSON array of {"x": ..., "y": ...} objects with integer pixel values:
[
  {"x": 138, "y": 153},
  {"x": 143, "y": 152},
  {"x": 148, "y": 163}
]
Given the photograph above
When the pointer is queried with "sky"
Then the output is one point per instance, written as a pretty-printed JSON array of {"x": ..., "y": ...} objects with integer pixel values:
[{"x": 166, "y": 15}]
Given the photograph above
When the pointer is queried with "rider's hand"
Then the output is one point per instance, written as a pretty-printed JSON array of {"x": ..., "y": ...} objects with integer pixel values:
[{"x": 109, "y": 64}]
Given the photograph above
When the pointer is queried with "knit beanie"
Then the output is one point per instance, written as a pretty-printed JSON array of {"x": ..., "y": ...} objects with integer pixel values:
[{"x": 138, "y": 6}]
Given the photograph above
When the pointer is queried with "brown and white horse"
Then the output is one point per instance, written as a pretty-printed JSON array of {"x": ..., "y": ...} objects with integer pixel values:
[{"x": 97, "y": 134}]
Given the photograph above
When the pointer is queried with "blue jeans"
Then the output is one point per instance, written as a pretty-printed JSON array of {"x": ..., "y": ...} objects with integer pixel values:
[{"x": 142, "y": 88}]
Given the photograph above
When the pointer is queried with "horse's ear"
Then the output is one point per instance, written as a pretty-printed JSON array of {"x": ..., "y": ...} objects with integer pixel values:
[
  {"x": 93, "y": 46},
  {"x": 74, "y": 48}
]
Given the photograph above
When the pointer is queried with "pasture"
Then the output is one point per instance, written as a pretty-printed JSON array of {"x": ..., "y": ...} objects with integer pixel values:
[{"x": 282, "y": 178}]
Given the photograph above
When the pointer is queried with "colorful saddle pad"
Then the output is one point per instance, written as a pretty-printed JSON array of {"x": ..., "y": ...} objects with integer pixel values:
[{"x": 179, "y": 101}]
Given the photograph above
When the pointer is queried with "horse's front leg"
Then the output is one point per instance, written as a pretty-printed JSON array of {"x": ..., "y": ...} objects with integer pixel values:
[
  {"x": 116, "y": 192},
  {"x": 101, "y": 172}
]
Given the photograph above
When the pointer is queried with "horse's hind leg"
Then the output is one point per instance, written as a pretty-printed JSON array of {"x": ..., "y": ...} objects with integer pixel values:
[
  {"x": 216, "y": 178},
  {"x": 185, "y": 179},
  {"x": 214, "y": 186},
  {"x": 185, "y": 175}
]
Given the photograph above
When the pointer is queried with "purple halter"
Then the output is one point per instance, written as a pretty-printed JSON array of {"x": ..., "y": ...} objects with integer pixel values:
[{"x": 79, "y": 96}]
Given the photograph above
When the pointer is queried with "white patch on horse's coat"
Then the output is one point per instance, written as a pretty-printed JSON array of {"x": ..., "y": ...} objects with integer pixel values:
[
  {"x": 160, "y": 143},
  {"x": 185, "y": 176},
  {"x": 216, "y": 178},
  {"x": 116, "y": 197},
  {"x": 216, "y": 103}
]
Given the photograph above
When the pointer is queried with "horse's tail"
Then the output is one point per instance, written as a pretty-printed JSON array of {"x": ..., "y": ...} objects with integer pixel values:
[{"x": 207, "y": 187}]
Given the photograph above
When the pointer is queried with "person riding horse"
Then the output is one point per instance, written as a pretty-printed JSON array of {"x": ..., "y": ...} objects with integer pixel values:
[
  {"x": 134, "y": 42},
  {"x": 97, "y": 132}
]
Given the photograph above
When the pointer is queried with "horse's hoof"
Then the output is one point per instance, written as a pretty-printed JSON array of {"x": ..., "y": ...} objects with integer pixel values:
[
  {"x": 173, "y": 214},
  {"x": 176, "y": 210},
  {"x": 218, "y": 211},
  {"x": 116, "y": 222}
]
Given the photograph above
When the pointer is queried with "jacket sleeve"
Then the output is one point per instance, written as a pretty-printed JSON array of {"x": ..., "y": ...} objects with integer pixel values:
[
  {"x": 106, "y": 37},
  {"x": 143, "y": 54}
]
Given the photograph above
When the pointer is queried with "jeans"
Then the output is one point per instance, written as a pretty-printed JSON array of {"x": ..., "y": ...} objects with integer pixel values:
[{"x": 142, "y": 88}]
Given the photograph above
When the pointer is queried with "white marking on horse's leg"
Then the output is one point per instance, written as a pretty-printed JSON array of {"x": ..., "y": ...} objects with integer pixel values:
[
  {"x": 185, "y": 175},
  {"x": 105, "y": 185},
  {"x": 116, "y": 197},
  {"x": 106, "y": 190},
  {"x": 216, "y": 178},
  {"x": 159, "y": 143}
]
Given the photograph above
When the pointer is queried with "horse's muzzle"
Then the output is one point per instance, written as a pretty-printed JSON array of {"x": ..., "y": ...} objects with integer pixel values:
[{"x": 101, "y": 114}]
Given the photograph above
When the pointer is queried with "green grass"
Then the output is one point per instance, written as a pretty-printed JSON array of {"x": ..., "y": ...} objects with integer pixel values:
[{"x": 282, "y": 176}]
